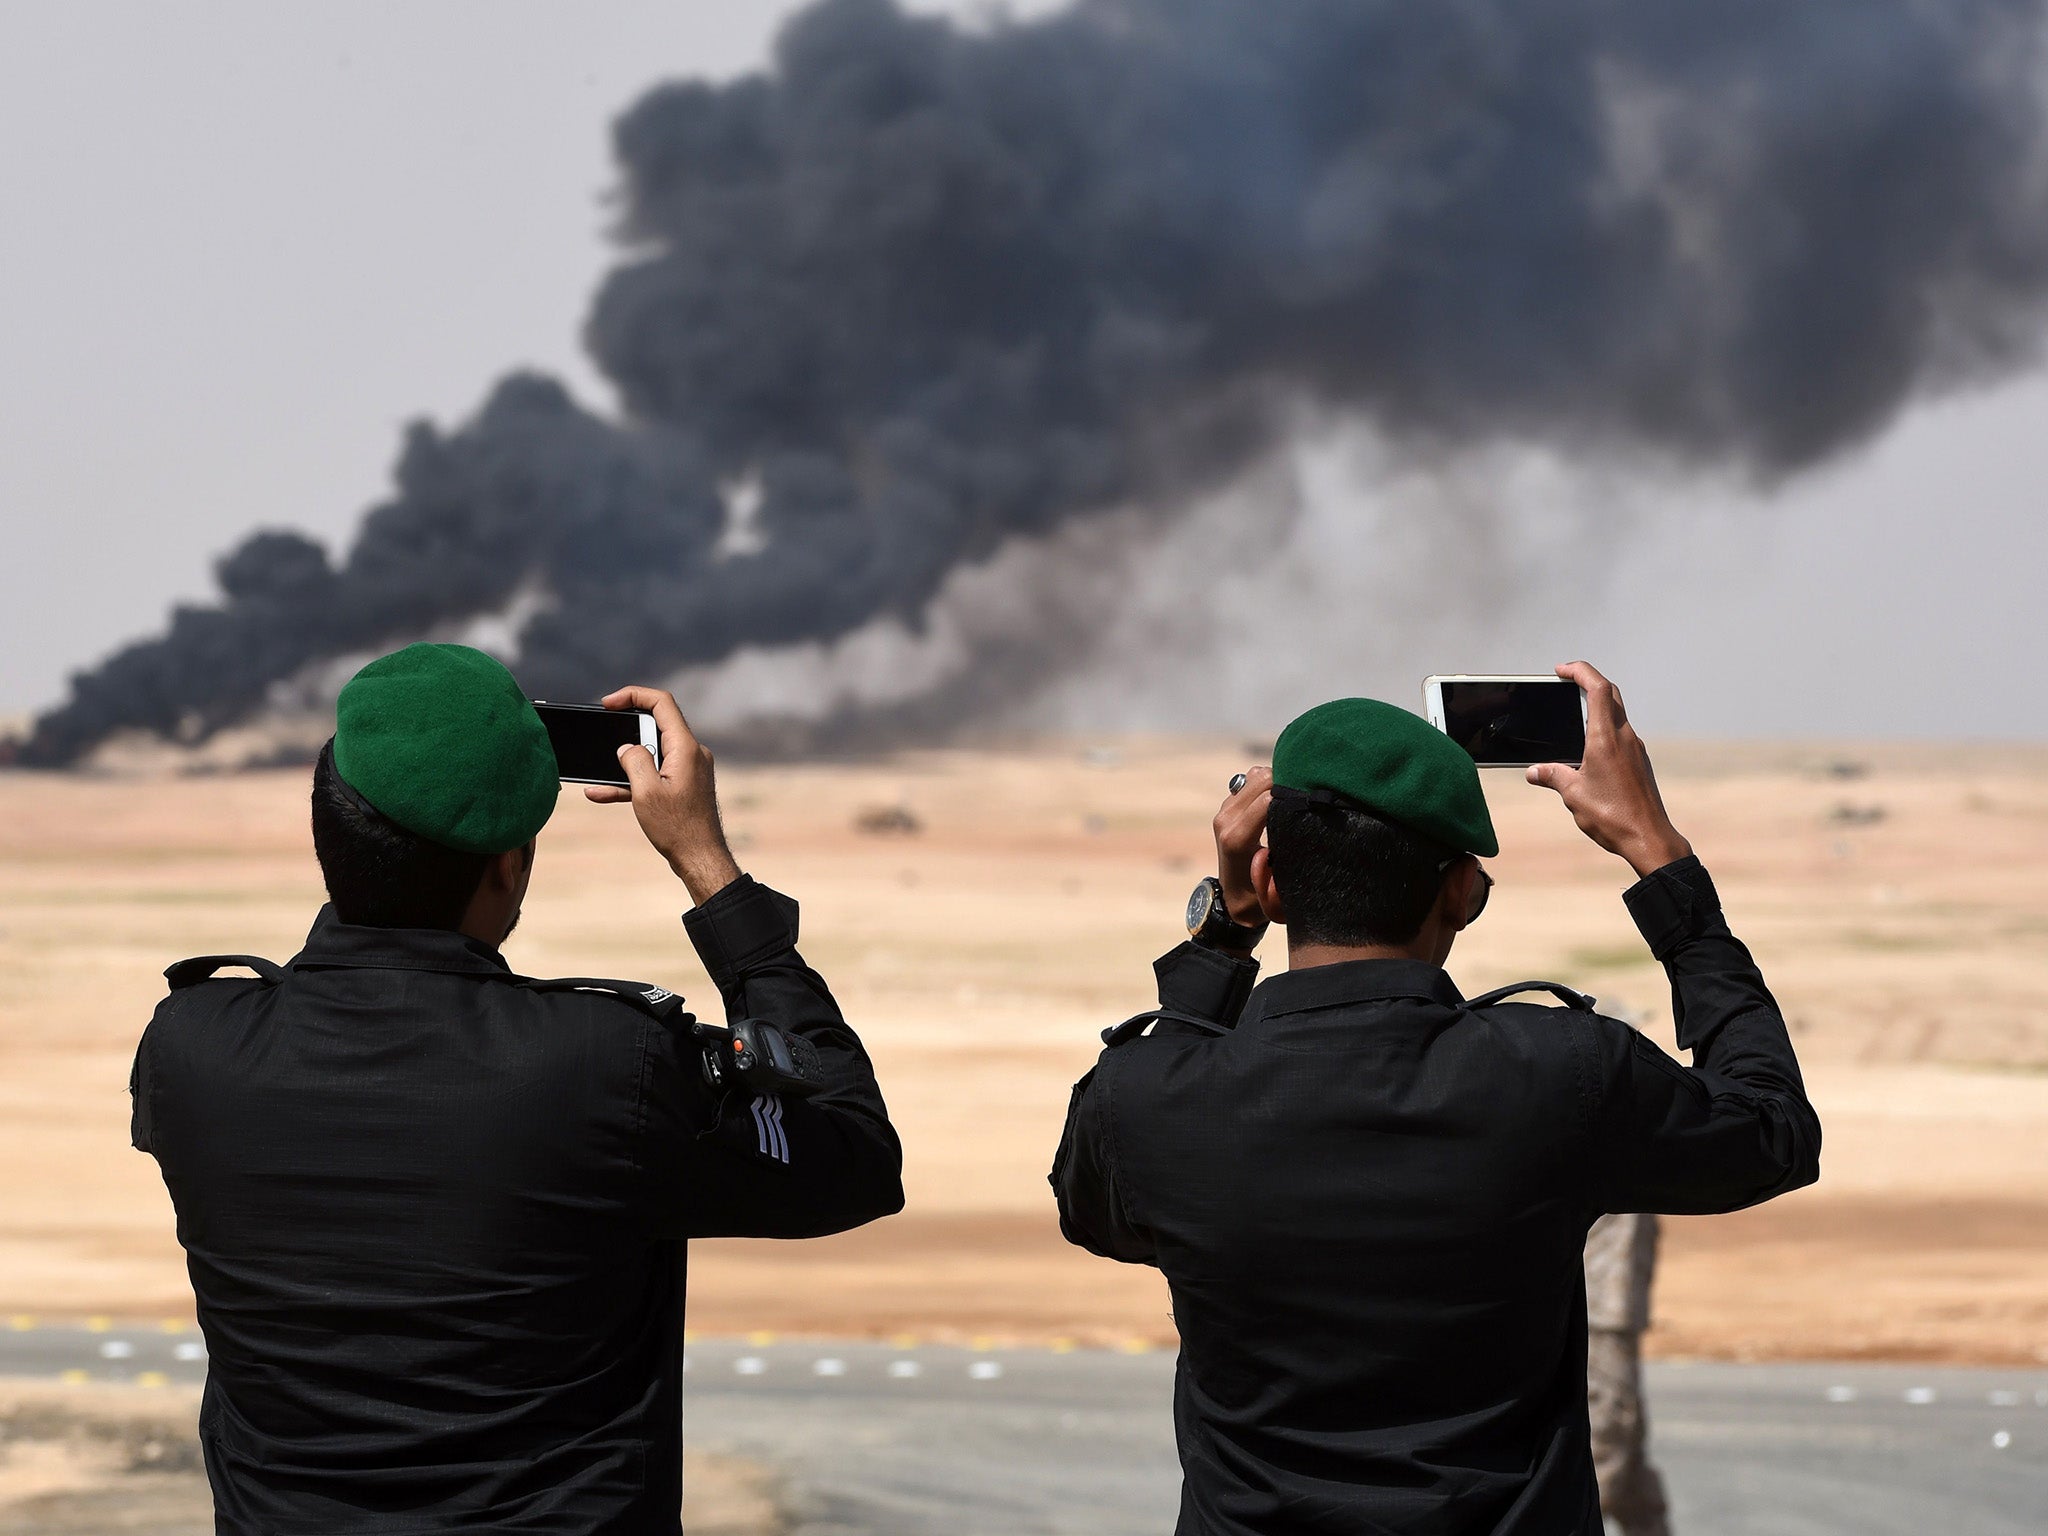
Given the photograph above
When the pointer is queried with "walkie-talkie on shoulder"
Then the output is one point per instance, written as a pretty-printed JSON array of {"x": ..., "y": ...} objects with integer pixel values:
[{"x": 758, "y": 1055}]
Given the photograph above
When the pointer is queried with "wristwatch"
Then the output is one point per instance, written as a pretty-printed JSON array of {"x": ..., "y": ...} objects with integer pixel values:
[{"x": 1209, "y": 919}]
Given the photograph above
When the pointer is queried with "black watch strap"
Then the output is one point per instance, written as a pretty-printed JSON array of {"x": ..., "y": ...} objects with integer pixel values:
[{"x": 1209, "y": 919}]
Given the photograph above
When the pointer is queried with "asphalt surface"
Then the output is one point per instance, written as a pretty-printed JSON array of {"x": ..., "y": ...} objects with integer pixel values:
[{"x": 874, "y": 1440}]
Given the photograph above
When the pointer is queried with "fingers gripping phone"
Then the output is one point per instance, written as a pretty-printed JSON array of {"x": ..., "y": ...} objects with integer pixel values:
[
  {"x": 1508, "y": 721},
  {"x": 587, "y": 738}
]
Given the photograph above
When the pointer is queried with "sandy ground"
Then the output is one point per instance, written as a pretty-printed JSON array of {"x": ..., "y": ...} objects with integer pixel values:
[
  {"x": 95, "y": 1459},
  {"x": 1896, "y": 898}
]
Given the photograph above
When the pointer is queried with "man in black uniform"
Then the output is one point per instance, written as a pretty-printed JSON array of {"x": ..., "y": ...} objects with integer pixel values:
[
  {"x": 1369, "y": 1195},
  {"x": 435, "y": 1211}
]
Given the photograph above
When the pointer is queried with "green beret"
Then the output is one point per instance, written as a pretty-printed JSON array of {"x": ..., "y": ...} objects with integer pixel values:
[
  {"x": 440, "y": 739},
  {"x": 1395, "y": 764}
]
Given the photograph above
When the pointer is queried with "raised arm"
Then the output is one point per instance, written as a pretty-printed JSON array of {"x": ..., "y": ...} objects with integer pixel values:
[
  {"x": 1195, "y": 983},
  {"x": 1736, "y": 1127},
  {"x": 777, "y": 1166},
  {"x": 764, "y": 1165}
]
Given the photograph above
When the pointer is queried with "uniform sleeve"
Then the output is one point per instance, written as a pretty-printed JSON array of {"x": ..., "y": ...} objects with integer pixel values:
[
  {"x": 142, "y": 1099},
  {"x": 1193, "y": 982},
  {"x": 1084, "y": 1173},
  {"x": 1204, "y": 982},
  {"x": 749, "y": 1165},
  {"x": 1733, "y": 1129}
]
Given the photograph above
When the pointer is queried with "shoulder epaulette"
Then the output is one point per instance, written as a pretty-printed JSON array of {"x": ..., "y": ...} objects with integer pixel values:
[
  {"x": 189, "y": 973},
  {"x": 644, "y": 995},
  {"x": 1137, "y": 1024},
  {"x": 1562, "y": 993}
]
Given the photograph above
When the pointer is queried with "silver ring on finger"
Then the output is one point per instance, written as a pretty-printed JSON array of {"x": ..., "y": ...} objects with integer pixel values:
[{"x": 1237, "y": 782}]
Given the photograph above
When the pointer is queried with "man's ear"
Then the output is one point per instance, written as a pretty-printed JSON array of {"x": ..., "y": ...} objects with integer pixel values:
[
  {"x": 1454, "y": 897},
  {"x": 507, "y": 869},
  {"x": 1267, "y": 892}
]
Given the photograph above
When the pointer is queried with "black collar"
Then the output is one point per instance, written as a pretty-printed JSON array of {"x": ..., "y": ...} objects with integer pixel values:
[
  {"x": 333, "y": 943},
  {"x": 1349, "y": 982}
]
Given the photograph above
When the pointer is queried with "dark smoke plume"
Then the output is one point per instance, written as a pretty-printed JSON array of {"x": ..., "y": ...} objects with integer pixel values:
[{"x": 924, "y": 290}]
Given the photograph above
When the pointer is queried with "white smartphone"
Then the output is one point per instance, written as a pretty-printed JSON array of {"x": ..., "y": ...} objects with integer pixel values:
[
  {"x": 587, "y": 738},
  {"x": 1509, "y": 721}
]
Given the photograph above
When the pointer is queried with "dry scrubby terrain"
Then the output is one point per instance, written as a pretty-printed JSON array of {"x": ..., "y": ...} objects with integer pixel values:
[{"x": 982, "y": 936}]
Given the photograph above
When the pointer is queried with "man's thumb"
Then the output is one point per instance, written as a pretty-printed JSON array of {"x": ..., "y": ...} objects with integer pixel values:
[
  {"x": 639, "y": 765},
  {"x": 1550, "y": 776}
]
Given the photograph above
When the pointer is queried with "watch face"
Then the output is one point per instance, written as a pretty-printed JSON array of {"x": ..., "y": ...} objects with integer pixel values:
[{"x": 1198, "y": 907}]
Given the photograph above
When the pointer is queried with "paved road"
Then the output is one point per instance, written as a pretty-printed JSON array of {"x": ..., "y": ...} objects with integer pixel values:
[{"x": 877, "y": 1441}]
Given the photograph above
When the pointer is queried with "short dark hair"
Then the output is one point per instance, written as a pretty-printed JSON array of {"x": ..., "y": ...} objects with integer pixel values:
[
  {"x": 377, "y": 873},
  {"x": 1349, "y": 877}
]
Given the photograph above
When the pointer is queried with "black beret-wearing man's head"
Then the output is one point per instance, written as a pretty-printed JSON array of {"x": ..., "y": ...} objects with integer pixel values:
[{"x": 427, "y": 801}]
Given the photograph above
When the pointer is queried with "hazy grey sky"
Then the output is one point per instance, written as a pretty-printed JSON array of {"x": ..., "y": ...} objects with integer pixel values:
[{"x": 245, "y": 242}]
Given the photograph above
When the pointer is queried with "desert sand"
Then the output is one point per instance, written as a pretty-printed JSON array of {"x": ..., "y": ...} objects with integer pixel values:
[
  {"x": 94, "y": 1458},
  {"x": 1895, "y": 897}
]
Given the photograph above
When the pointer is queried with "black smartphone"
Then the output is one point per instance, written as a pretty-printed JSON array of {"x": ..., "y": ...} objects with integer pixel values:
[
  {"x": 587, "y": 738},
  {"x": 1507, "y": 721}
]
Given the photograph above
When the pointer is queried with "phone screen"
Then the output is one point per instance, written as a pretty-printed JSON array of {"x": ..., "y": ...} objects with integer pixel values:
[
  {"x": 587, "y": 740},
  {"x": 1514, "y": 723}
]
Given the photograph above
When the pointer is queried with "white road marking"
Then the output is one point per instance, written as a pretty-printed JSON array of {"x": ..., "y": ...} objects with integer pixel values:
[{"x": 193, "y": 1351}]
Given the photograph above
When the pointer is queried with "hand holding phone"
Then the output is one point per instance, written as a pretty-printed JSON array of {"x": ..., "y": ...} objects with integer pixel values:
[
  {"x": 1613, "y": 793},
  {"x": 674, "y": 798}
]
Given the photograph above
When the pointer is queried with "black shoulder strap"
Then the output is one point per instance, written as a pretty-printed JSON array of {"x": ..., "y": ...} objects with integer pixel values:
[
  {"x": 189, "y": 973},
  {"x": 1558, "y": 990},
  {"x": 1137, "y": 1024},
  {"x": 644, "y": 995}
]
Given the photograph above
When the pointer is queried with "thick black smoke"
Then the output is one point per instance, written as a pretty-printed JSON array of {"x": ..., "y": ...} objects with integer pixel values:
[{"x": 925, "y": 290}]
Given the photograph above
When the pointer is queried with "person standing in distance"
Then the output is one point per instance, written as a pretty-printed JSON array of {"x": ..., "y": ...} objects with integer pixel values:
[
  {"x": 1368, "y": 1193},
  {"x": 1621, "y": 1265},
  {"x": 435, "y": 1212}
]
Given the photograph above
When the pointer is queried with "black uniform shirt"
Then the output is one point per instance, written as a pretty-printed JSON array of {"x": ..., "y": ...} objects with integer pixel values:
[
  {"x": 1370, "y": 1203},
  {"x": 434, "y": 1218}
]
